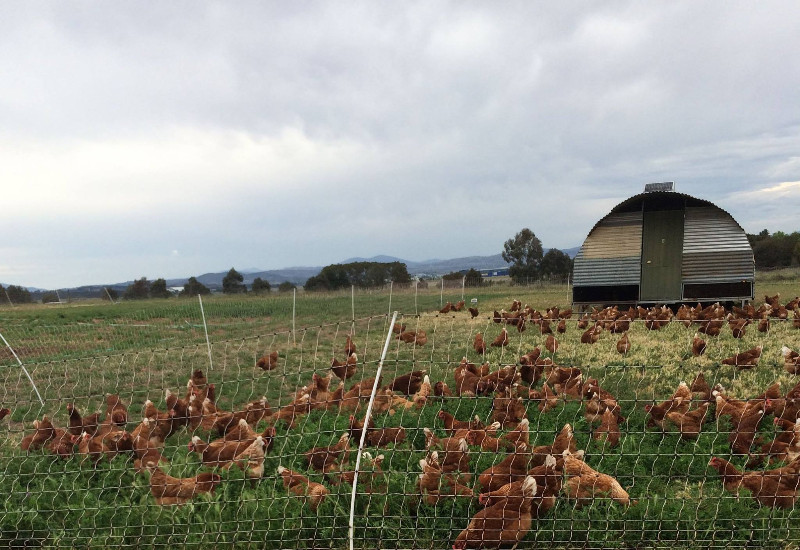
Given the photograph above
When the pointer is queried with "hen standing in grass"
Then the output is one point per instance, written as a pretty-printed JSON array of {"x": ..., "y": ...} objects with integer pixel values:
[
  {"x": 268, "y": 361},
  {"x": 745, "y": 360},
  {"x": 478, "y": 344},
  {"x": 116, "y": 410},
  {"x": 312, "y": 492},
  {"x": 624, "y": 344},
  {"x": 501, "y": 340},
  {"x": 170, "y": 491},
  {"x": 698, "y": 345},
  {"x": 551, "y": 344},
  {"x": 349, "y": 347},
  {"x": 791, "y": 360},
  {"x": 505, "y": 523}
]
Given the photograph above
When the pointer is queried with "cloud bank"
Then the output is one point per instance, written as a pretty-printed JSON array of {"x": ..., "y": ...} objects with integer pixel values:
[{"x": 257, "y": 134}]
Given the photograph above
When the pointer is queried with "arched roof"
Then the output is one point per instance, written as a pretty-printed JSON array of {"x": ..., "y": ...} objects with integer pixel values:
[
  {"x": 716, "y": 258},
  {"x": 671, "y": 199}
]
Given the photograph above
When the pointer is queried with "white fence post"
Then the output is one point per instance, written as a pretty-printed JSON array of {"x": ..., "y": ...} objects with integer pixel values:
[
  {"x": 416, "y": 291},
  {"x": 8, "y": 297},
  {"x": 14, "y": 353},
  {"x": 463, "y": 284},
  {"x": 205, "y": 328},
  {"x": 441, "y": 295},
  {"x": 569, "y": 281},
  {"x": 110, "y": 299},
  {"x": 294, "y": 315},
  {"x": 367, "y": 418}
]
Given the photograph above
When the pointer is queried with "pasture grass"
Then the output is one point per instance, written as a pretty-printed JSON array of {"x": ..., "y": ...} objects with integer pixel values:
[{"x": 78, "y": 353}]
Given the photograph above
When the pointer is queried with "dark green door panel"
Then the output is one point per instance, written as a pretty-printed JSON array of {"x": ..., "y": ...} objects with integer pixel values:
[{"x": 662, "y": 249}]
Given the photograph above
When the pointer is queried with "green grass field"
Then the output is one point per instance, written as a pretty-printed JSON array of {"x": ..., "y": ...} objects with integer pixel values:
[{"x": 78, "y": 353}]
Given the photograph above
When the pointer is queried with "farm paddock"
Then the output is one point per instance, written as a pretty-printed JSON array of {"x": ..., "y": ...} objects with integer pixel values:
[{"x": 77, "y": 355}]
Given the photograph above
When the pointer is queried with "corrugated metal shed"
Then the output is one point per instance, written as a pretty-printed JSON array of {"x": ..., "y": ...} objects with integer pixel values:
[
  {"x": 612, "y": 253},
  {"x": 716, "y": 260},
  {"x": 715, "y": 248}
]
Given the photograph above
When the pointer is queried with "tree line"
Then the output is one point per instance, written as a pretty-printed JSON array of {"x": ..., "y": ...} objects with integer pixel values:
[
  {"x": 471, "y": 278},
  {"x": 359, "y": 274},
  {"x": 15, "y": 294},
  {"x": 232, "y": 283},
  {"x": 776, "y": 250}
]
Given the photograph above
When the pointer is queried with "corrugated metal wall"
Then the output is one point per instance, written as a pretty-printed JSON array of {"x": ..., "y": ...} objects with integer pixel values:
[
  {"x": 716, "y": 255},
  {"x": 612, "y": 253},
  {"x": 715, "y": 249}
]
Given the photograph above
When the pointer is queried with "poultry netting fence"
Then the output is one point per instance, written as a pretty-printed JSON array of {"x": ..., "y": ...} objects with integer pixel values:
[{"x": 252, "y": 439}]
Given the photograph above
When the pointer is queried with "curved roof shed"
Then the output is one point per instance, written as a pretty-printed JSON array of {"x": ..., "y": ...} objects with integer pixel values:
[{"x": 664, "y": 247}]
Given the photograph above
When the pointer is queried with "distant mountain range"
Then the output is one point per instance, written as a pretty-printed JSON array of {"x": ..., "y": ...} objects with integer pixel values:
[
  {"x": 437, "y": 266},
  {"x": 299, "y": 275}
]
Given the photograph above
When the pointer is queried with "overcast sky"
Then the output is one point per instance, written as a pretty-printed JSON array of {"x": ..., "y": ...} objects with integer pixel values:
[{"x": 169, "y": 139}]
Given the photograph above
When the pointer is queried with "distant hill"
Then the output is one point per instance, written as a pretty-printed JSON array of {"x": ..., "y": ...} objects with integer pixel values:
[
  {"x": 381, "y": 259},
  {"x": 571, "y": 252},
  {"x": 296, "y": 275},
  {"x": 299, "y": 275},
  {"x": 437, "y": 266},
  {"x": 441, "y": 267},
  {"x": 28, "y": 288}
]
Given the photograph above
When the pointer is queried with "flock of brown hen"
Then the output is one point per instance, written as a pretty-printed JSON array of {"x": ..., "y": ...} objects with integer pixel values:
[
  {"x": 528, "y": 480},
  {"x": 97, "y": 439},
  {"x": 525, "y": 483},
  {"x": 512, "y": 491},
  {"x": 709, "y": 320}
]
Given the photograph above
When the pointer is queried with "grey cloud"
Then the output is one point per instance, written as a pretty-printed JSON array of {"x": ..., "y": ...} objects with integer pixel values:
[{"x": 430, "y": 128}]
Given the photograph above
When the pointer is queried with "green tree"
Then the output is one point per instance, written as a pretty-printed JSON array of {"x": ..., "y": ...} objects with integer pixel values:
[
  {"x": 776, "y": 250},
  {"x": 260, "y": 285},
  {"x": 159, "y": 289},
  {"x": 764, "y": 234},
  {"x": 139, "y": 290},
  {"x": 286, "y": 286},
  {"x": 453, "y": 276},
  {"x": 398, "y": 273},
  {"x": 193, "y": 287},
  {"x": 19, "y": 295},
  {"x": 232, "y": 283},
  {"x": 474, "y": 277},
  {"x": 360, "y": 274},
  {"x": 332, "y": 277},
  {"x": 555, "y": 264},
  {"x": 524, "y": 253},
  {"x": 49, "y": 297}
]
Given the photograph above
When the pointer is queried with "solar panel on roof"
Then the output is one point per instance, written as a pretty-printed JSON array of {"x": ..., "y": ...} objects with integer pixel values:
[{"x": 663, "y": 186}]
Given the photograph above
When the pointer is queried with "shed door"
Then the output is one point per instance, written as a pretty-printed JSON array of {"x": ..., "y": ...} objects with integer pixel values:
[{"x": 662, "y": 247}]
